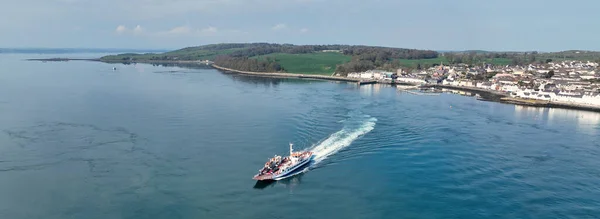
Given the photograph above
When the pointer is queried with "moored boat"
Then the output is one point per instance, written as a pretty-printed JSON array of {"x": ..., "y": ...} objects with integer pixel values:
[{"x": 282, "y": 167}]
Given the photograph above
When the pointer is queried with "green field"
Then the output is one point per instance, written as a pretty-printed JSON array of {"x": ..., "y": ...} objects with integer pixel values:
[
  {"x": 499, "y": 61},
  {"x": 322, "y": 63}
]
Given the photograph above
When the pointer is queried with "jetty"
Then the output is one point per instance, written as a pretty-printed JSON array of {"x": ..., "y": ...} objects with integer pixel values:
[
  {"x": 295, "y": 75},
  {"x": 367, "y": 82}
]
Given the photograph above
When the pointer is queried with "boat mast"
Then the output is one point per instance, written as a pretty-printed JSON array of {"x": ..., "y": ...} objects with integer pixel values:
[{"x": 291, "y": 149}]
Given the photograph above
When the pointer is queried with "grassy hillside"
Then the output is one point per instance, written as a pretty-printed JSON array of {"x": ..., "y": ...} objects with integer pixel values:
[
  {"x": 323, "y": 63},
  {"x": 499, "y": 61},
  {"x": 269, "y": 57}
]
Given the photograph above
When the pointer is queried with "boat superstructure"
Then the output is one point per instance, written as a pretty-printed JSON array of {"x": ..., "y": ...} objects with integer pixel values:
[{"x": 280, "y": 167}]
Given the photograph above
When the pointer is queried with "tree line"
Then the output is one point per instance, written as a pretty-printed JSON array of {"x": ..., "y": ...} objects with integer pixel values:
[
  {"x": 372, "y": 53},
  {"x": 258, "y": 49},
  {"x": 473, "y": 58},
  {"x": 248, "y": 64},
  {"x": 518, "y": 58},
  {"x": 363, "y": 57},
  {"x": 368, "y": 57}
]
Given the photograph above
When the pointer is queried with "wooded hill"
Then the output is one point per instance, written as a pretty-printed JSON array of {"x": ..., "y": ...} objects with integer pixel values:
[{"x": 244, "y": 56}]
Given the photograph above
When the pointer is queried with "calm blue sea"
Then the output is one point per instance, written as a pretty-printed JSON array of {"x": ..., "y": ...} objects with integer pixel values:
[{"x": 79, "y": 140}]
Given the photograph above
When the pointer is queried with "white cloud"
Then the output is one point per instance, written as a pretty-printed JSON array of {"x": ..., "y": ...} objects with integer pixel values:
[
  {"x": 279, "y": 27},
  {"x": 209, "y": 30},
  {"x": 303, "y": 30},
  {"x": 188, "y": 31},
  {"x": 121, "y": 29},
  {"x": 181, "y": 30},
  {"x": 138, "y": 30}
]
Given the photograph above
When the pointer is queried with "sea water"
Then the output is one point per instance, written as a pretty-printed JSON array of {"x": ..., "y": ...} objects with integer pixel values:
[{"x": 81, "y": 140}]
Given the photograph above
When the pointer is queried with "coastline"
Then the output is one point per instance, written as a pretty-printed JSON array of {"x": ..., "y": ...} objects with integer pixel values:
[
  {"x": 155, "y": 61},
  {"x": 61, "y": 60},
  {"x": 117, "y": 61},
  {"x": 289, "y": 75},
  {"x": 548, "y": 104},
  {"x": 486, "y": 95},
  {"x": 500, "y": 97}
]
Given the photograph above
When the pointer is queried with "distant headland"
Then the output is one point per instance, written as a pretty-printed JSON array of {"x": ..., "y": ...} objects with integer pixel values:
[{"x": 74, "y": 50}]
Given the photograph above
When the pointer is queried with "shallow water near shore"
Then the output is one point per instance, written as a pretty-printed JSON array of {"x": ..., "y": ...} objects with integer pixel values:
[{"x": 79, "y": 140}]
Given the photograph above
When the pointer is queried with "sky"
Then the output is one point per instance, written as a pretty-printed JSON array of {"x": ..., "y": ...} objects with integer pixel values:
[{"x": 508, "y": 25}]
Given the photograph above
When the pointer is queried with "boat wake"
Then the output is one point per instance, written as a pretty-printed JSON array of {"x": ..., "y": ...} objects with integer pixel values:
[{"x": 354, "y": 128}]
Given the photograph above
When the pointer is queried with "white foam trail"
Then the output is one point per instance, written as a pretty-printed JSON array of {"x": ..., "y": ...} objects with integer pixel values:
[{"x": 342, "y": 139}]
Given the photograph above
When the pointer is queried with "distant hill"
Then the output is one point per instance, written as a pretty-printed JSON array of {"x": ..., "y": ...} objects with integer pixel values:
[
  {"x": 270, "y": 57},
  {"x": 573, "y": 54},
  {"x": 72, "y": 50},
  {"x": 567, "y": 52}
]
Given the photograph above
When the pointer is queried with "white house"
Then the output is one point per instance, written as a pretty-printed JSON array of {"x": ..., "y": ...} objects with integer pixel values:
[
  {"x": 486, "y": 85},
  {"x": 591, "y": 99},
  {"x": 467, "y": 84},
  {"x": 509, "y": 87},
  {"x": 411, "y": 80}
]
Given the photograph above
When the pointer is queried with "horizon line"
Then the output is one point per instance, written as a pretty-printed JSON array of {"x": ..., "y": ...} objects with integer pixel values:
[{"x": 171, "y": 49}]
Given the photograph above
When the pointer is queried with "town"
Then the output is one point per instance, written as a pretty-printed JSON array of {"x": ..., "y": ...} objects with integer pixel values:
[{"x": 574, "y": 83}]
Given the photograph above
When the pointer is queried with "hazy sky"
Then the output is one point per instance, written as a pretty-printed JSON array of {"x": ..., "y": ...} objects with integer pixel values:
[{"x": 543, "y": 25}]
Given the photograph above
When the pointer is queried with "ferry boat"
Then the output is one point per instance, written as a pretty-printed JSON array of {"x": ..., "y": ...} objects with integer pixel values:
[{"x": 282, "y": 167}]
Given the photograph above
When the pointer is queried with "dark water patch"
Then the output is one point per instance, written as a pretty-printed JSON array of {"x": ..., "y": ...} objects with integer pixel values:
[
  {"x": 540, "y": 158},
  {"x": 37, "y": 166},
  {"x": 172, "y": 71}
]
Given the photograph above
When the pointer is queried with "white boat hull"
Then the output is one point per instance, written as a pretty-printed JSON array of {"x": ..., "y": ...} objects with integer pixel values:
[{"x": 293, "y": 171}]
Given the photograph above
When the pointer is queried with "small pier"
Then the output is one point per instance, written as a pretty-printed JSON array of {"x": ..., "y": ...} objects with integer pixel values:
[{"x": 367, "y": 82}]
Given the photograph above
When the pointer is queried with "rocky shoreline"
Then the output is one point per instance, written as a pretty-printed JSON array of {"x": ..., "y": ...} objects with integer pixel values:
[{"x": 288, "y": 75}]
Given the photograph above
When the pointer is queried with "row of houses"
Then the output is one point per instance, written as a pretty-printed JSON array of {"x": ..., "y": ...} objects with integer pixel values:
[
  {"x": 567, "y": 97},
  {"x": 371, "y": 75},
  {"x": 561, "y": 91},
  {"x": 571, "y": 69},
  {"x": 385, "y": 75},
  {"x": 573, "y": 65},
  {"x": 565, "y": 82}
]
